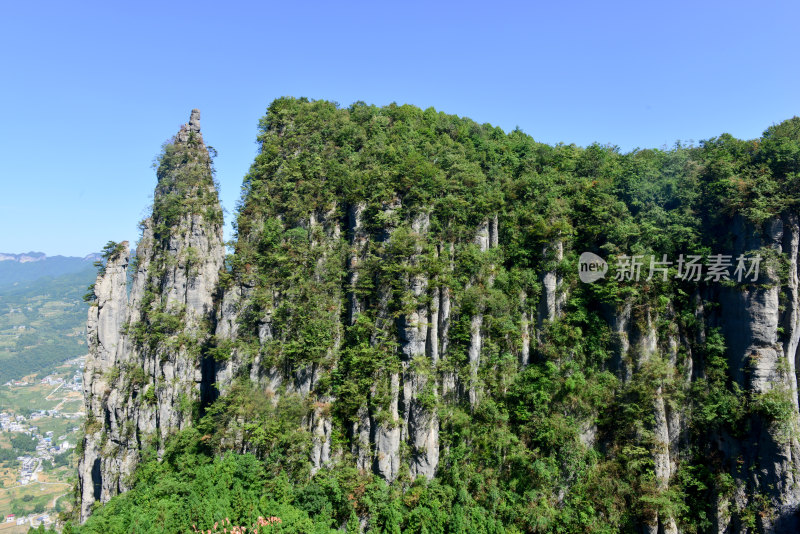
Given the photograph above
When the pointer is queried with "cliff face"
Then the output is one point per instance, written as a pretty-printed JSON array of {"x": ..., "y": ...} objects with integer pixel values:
[
  {"x": 760, "y": 326},
  {"x": 400, "y": 297},
  {"x": 144, "y": 371}
]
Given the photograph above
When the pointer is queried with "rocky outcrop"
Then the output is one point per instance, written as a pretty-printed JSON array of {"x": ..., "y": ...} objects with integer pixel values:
[
  {"x": 145, "y": 367},
  {"x": 760, "y": 324},
  {"x": 106, "y": 316},
  {"x": 641, "y": 350},
  {"x": 419, "y": 337}
]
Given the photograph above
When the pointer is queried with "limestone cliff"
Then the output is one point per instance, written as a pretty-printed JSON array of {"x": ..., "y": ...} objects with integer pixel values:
[
  {"x": 144, "y": 373},
  {"x": 397, "y": 297}
]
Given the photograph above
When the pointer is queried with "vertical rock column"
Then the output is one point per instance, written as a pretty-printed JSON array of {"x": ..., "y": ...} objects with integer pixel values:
[
  {"x": 486, "y": 237},
  {"x": 106, "y": 315},
  {"x": 184, "y": 257},
  {"x": 358, "y": 238},
  {"x": 420, "y": 377},
  {"x": 386, "y": 427},
  {"x": 760, "y": 324},
  {"x": 327, "y": 226}
]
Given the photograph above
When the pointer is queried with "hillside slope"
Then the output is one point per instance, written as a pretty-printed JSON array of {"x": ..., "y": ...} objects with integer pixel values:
[
  {"x": 29, "y": 267},
  {"x": 42, "y": 322}
]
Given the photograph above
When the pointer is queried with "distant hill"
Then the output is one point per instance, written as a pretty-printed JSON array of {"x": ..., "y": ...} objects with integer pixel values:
[
  {"x": 24, "y": 257},
  {"x": 34, "y": 265},
  {"x": 42, "y": 313}
]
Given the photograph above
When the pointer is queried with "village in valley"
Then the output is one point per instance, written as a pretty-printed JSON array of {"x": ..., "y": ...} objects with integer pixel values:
[{"x": 40, "y": 424}]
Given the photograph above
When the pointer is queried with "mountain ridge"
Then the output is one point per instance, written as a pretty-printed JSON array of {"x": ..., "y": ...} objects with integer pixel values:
[
  {"x": 30, "y": 266},
  {"x": 32, "y": 256}
]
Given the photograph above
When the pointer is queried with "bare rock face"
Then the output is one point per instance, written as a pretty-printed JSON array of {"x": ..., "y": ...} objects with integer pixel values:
[
  {"x": 552, "y": 301},
  {"x": 638, "y": 349},
  {"x": 190, "y": 130},
  {"x": 763, "y": 362},
  {"x": 106, "y": 315},
  {"x": 759, "y": 323},
  {"x": 421, "y": 423},
  {"x": 141, "y": 378},
  {"x": 387, "y": 436}
]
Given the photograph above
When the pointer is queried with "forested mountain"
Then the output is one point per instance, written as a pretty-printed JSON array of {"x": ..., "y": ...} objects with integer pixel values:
[
  {"x": 43, "y": 321},
  {"x": 401, "y": 340},
  {"x": 29, "y": 267}
]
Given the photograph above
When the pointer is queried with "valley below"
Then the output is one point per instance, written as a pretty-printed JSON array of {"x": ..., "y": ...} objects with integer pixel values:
[{"x": 40, "y": 420}]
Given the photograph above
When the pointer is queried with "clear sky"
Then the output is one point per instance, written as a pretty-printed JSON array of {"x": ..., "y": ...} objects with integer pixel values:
[{"x": 90, "y": 91}]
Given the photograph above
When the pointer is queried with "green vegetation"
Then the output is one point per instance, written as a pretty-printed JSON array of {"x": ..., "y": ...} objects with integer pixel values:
[
  {"x": 42, "y": 323},
  {"x": 17, "y": 272},
  {"x": 24, "y": 400},
  {"x": 111, "y": 251},
  {"x": 23, "y": 443},
  {"x": 518, "y": 460},
  {"x": 20, "y": 445},
  {"x": 185, "y": 186},
  {"x": 191, "y": 486},
  {"x": 185, "y": 191}
]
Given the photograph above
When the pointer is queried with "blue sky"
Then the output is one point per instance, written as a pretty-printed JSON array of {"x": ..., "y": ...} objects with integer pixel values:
[{"x": 90, "y": 91}]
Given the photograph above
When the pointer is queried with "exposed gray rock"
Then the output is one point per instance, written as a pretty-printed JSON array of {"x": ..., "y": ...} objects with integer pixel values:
[
  {"x": 387, "y": 436},
  {"x": 485, "y": 238},
  {"x": 362, "y": 432},
  {"x": 190, "y": 130},
  {"x": 750, "y": 318},
  {"x": 525, "y": 330},
  {"x": 474, "y": 354},
  {"x": 106, "y": 316},
  {"x": 552, "y": 300},
  {"x": 194, "y": 121},
  {"x": 358, "y": 241},
  {"x": 321, "y": 428},
  {"x": 445, "y": 307},
  {"x": 154, "y": 387}
]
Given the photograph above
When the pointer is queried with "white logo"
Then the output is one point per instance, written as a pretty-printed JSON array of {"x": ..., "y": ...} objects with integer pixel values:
[{"x": 591, "y": 267}]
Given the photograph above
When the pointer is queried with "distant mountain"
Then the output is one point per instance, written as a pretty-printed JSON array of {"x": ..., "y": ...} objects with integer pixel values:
[
  {"x": 29, "y": 266},
  {"x": 23, "y": 258}
]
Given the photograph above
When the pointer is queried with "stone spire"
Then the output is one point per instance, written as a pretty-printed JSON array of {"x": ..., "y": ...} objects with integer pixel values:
[
  {"x": 190, "y": 130},
  {"x": 140, "y": 388}
]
